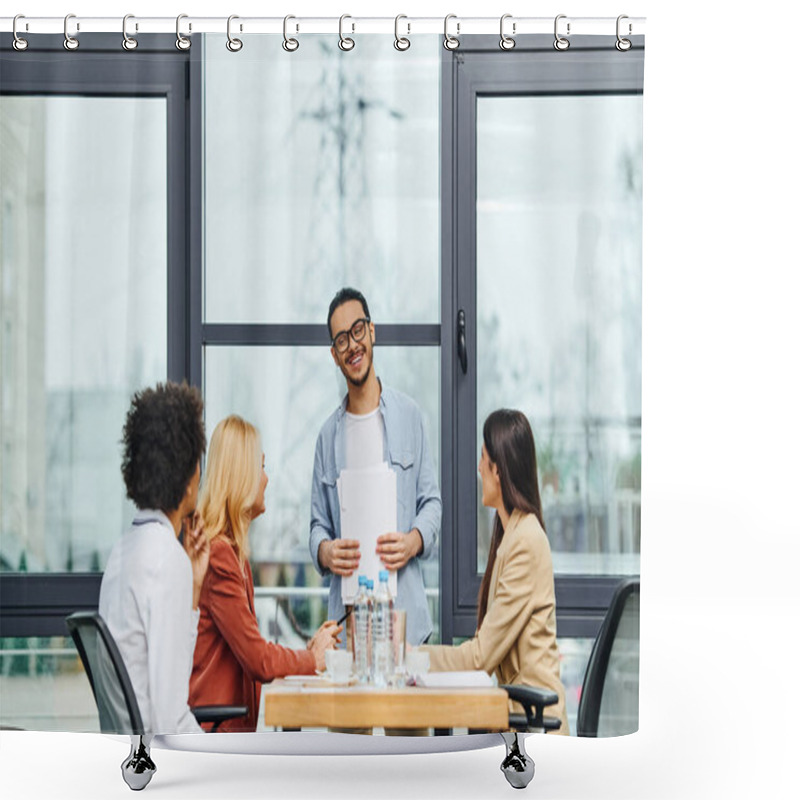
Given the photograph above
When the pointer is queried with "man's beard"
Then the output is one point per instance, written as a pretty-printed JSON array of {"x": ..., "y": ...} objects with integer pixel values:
[{"x": 359, "y": 382}]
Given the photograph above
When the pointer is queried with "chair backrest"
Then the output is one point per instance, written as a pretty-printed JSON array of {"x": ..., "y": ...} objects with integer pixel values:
[
  {"x": 609, "y": 704},
  {"x": 111, "y": 685}
]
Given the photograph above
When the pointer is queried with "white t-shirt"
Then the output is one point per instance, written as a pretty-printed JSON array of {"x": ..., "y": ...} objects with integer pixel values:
[
  {"x": 146, "y": 602},
  {"x": 363, "y": 439}
]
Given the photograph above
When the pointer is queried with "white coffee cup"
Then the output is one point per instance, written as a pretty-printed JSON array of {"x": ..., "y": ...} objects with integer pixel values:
[
  {"x": 418, "y": 662},
  {"x": 339, "y": 665}
]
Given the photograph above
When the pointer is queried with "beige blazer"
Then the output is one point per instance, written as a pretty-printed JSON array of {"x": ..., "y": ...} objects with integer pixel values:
[{"x": 517, "y": 640}]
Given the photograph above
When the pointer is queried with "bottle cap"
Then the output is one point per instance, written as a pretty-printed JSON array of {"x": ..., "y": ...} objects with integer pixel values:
[
  {"x": 362, "y": 580},
  {"x": 383, "y": 575},
  {"x": 370, "y": 583}
]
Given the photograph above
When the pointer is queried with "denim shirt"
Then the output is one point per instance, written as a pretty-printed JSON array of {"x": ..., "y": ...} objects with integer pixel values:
[{"x": 419, "y": 504}]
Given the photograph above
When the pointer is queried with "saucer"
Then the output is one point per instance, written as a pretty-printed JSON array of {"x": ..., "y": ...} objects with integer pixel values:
[{"x": 350, "y": 679}]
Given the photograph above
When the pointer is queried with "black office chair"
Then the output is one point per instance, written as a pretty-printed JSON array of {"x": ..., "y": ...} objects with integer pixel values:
[
  {"x": 113, "y": 693},
  {"x": 609, "y": 704}
]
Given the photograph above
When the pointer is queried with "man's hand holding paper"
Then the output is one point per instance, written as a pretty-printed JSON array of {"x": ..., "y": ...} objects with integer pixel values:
[
  {"x": 396, "y": 549},
  {"x": 340, "y": 556}
]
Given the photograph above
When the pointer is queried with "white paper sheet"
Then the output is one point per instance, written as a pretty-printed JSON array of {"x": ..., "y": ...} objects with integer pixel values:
[
  {"x": 466, "y": 678},
  {"x": 368, "y": 504}
]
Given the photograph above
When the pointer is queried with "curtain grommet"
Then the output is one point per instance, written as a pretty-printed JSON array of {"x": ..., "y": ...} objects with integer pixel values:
[
  {"x": 182, "y": 42},
  {"x": 451, "y": 42},
  {"x": 401, "y": 43},
  {"x": 561, "y": 42},
  {"x": 234, "y": 45},
  {"x": 345, "y": 42},
  {"x": 70, "y": 42},
  {"x": 19, "y": 44},
  {"x": 507, "y": 42},
  {"x": 289, "y": 43},
  {"x": 623, "y": 45}
]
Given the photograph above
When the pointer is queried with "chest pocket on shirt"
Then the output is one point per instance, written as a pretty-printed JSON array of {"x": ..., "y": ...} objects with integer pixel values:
[
  {"x": 402, "y": 463},
  {"x": 329, "y": 489}
]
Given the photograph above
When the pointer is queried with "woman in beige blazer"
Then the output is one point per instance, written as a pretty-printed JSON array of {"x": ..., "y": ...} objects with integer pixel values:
[{"x": 516, "y": 635}]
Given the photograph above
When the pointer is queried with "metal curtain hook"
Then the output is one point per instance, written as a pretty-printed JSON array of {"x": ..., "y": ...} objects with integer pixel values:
[
  {"x": 401, "y": 43},
  {"x": 507, "y": 42},
  {"x": 560, "y": 42},
  {"x": 234, "y": 45},
  {"x": 181, "y": 42},
  {"x": 451, "y": 42},
  {"x": 623, "y": 44},
  {"x": 289, "y": 45},
  {"x": 19, "y": 43},
  {"x": 70, "y": 42},
  {"x": 128, "y": 43},
  {"x": 345, "y": 42}
]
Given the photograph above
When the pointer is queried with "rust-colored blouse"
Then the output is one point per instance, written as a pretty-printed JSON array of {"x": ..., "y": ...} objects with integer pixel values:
[{"x": 231, "y": 659}]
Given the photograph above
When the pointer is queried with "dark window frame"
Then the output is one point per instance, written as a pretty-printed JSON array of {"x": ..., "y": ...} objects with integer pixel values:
[
  {"x": 591, "y": 66},
  {"x": 35, "y": 604}
]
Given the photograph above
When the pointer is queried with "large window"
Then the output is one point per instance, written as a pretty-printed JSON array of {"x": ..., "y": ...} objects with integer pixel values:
[
  {"x": 321, "y": 170},
  {"x": 84, "y": 316},
  {"x": 559, "y": 219},
  {"x": 94, "y": 168},
  {"x": 542, "y": 210}
]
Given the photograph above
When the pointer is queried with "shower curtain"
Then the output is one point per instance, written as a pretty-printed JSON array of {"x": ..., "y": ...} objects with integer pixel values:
[{"x": 187, "y": 213}]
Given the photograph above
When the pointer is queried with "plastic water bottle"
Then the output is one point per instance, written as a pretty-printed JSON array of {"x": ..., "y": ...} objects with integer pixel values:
[
  {"x": 382, "y": 666},
  {"x": 361, "y": 643},
  {"x": 370, "y": 610}
]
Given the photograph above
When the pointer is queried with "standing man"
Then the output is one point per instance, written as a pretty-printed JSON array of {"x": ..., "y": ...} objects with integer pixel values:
[
  {"x": 373, "y": 423},
  {"x": 150, "y": 591}
]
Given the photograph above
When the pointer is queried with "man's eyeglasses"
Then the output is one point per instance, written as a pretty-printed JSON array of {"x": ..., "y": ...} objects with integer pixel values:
[{"x": 357, "y": 332}]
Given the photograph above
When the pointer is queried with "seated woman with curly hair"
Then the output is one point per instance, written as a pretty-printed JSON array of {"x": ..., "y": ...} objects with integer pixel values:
[
  {"x": 151, "y": 585},
  {"x": 231, "y": 659}
]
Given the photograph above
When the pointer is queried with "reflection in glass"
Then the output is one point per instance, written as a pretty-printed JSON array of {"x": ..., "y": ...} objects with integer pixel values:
[
  {"x": 559, "y": 210},
  {"x": 83, "y": 304},
  {"x": 321, "y": 170},
  {"x": 288, "y": 393}
]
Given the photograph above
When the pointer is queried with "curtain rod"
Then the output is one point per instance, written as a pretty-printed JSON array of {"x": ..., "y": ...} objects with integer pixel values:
[{"x": 404, "y": 26}]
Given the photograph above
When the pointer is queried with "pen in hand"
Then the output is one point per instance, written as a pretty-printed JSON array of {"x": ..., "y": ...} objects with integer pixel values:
[{"x": 344, "y": 616}]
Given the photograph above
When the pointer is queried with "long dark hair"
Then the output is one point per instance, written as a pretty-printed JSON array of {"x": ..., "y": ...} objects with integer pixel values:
[{"x": 508, "y": 439}]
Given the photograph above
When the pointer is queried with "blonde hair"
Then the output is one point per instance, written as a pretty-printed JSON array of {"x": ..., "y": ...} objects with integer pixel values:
[{"x": 231, "y": 482}]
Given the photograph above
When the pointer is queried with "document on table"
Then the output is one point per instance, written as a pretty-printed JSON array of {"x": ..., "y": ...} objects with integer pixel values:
[
  {"x": 368, "y": 506},
  {"x": 452, "y": 680}
]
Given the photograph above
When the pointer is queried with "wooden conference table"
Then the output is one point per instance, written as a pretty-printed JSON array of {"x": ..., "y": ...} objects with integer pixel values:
[{"x": 318, "y": 703}]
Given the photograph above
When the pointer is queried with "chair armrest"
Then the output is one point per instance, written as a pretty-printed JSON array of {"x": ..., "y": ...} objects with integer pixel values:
[
  {"x": 532, "y": 697},
  {"x": 217, "y": 714},
  {"x": 519, "y": 722}
]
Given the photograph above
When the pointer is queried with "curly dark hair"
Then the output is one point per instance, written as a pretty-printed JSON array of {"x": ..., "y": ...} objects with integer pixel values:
[{"x": 163, "y": 439}]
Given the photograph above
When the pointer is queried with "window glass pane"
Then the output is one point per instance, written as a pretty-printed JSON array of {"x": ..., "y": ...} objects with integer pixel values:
[
  {"x": 321, "y": 170},
  {"x": 559, "y": 211},
  {"x": 288, "y": 393},
  {"x": 43, "y": 686},
  {"x": 83, "y": 304}
]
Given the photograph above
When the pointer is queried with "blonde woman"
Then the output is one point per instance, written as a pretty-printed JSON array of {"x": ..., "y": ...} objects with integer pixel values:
[{"x": 231, "y": 659}]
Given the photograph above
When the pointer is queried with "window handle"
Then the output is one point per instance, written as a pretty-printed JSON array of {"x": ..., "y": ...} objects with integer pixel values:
[{"x": 462, "y": 340}]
